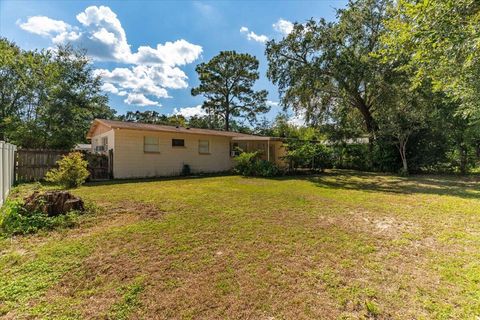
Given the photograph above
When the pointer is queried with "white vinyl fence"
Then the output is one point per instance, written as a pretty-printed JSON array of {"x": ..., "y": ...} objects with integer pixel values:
[{"x": 7, "y": 166}]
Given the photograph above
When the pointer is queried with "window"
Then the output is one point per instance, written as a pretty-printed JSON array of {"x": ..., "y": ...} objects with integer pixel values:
[
  {"x": 237, "y": 148},
  {"x": 178, "y": 143},
  {"x": 150, "y": 144},
  {"x": 105, "y": 143},
  {"x": 203, "y": 146}
]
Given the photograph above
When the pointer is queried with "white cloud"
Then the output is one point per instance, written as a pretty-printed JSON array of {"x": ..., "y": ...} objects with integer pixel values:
[
  {"x": 272, "y": 103},
  {"x": 140, "y": 100},
  {"x": 253, "y": 36},
  {"x": 149, "y": 71},
  {"x": 139, "y": 79},
  {"x": 44, "y": 26},
  {"x": 176, "y": 53},
  {"x": 190, "y": 111},
  {"x": 103, "y": 35},
  {"x": 283, "y": 26},
  {"x": 110, "y": 88},
  {"x": 297, "y": 119}
]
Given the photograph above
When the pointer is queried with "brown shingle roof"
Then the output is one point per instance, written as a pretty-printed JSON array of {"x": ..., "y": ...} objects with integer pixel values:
[{"x": 163, "y": 128}]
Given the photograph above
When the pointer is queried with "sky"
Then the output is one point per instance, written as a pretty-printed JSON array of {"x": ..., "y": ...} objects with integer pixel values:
[{"x": 146, "y": 51}]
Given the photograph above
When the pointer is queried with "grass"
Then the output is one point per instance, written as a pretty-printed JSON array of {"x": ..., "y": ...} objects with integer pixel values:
[{"x": 341, "y": 245}]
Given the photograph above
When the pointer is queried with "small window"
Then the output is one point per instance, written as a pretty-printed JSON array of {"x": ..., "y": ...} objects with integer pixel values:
[
  {"x": 105, "y": 143},
  {"x": 178, "y": 143},
  {"x": 150, "y": 144},
  {"x": 203, "y": 146}
]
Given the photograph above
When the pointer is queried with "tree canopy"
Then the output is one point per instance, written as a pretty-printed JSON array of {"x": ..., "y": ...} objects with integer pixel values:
[
  {"x": 226, "y": 82},
  {"x": 438, "y": 42},
  {"x": 322, "y": 66},
  {"x": 48, "y": 98}
]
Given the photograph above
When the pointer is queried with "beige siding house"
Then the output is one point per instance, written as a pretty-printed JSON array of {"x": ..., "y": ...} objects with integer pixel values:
[{"x": 147, "y": 150}]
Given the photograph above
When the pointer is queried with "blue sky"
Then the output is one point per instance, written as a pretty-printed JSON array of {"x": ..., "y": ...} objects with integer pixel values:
[{"x": 146, "y": 51}]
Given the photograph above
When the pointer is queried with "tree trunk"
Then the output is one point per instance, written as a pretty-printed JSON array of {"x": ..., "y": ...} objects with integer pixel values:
[
  {"x": 402, "y": 148},
  {"x": 227, "y": 121},
  {"x": 370, "y": 123},
  {"x": 404, "y": 162},
  {"x": 463, "y": 158}
]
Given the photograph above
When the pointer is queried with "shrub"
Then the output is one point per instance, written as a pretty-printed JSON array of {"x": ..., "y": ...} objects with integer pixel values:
[
  {"x": 264, "y": 168},
  {"x": 244, "y": 163},
  {"x": 71, "y": 172},
  {"x": 249, "y": 164},
  {"x": 304, "y": 154},
  {"x": 14, "y": 219}
]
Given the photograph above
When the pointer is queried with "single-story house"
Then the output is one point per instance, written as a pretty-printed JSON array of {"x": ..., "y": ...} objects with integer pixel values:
[{"x": 140, "y": 150}]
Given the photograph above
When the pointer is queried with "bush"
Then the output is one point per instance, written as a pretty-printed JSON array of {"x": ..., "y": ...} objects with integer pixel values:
[
  {"x": 71, "y": 172},
  {"x": 301, "y": 154},
  {"x": 14, "y": 219},
  {"x": 249, "y": 164}
]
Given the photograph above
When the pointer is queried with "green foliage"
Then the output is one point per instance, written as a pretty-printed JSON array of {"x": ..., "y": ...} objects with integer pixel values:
[
  {"x": 130, "y": 300},
  {"x": 48, "y": 98},
  {"x": 321, "y": 66},
  {"x": 306, "y": 154},
  {"x": 250, "y": 164},
  {"x": 437, "y": 41},
  {"x": 226, "y": 81},
  {"x": 372, "y": 308},
  {"x": 71, "y": 172},
  {"x": 15, "y": 220}
]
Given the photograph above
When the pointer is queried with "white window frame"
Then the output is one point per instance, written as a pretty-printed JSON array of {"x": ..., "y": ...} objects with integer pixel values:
[
  {"x": 200, "y": 146},
  {"x": 105, "y": 143},
  {"x": 151, "y": 147}
]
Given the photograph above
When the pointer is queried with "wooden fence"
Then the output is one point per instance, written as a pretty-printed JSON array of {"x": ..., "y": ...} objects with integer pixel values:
[
  {"x": 7, "y": 169},
  {"x": 33, "y": 164}
]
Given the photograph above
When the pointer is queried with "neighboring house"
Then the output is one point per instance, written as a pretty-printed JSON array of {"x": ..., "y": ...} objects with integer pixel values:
[{"x": 150, "y": 150}]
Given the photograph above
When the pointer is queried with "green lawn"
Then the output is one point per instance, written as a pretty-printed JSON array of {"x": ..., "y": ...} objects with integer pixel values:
[{"x": 341, "y": 245}]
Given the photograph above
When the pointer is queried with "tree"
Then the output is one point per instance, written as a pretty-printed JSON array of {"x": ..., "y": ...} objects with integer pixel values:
[
  {"x": 404, "y": 114},
  {"x": 20, "y": 77},
  {"x": 226, "y": 81},
  {"x": 48, "y": 98},
  {"x": 439, "y": 39},
  {"x": 320, "y": 67}
]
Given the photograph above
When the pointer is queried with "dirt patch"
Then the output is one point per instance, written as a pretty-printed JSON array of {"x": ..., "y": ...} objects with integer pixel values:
[{"x": 114, "y": 262}]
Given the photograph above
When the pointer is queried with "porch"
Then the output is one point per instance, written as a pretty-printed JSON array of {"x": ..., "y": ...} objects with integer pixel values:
[{"x": 269, "y": 148}]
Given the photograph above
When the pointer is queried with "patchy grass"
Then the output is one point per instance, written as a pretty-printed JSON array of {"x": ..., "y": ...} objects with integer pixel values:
[{"x": 343, "y": 245}]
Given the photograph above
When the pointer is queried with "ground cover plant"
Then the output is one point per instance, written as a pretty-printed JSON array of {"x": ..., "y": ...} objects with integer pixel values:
[{"x": 339, "y": 245}]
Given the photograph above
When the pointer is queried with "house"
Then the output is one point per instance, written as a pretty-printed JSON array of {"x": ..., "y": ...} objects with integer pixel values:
[{"x": 140, "y": 150}]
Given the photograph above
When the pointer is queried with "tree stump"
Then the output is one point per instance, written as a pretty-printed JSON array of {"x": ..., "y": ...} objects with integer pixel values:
[{"x": 53, "y": 203}]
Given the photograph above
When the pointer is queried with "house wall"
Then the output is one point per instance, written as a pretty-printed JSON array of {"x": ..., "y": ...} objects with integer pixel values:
[
  {"x": 98, "y": 135},
  {"x": 130, "y": 160}
]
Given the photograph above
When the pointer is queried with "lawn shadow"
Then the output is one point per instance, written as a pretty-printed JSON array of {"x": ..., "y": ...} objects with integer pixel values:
[
  {"x": 154, "y": 179},
  {"x": 460, "y": 186}
]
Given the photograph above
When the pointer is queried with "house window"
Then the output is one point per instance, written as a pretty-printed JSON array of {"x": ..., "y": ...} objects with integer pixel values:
[
  {"x": 203, "y": 146},
  {"x": 150, "y": 144},
  {"x": 178, "y": 143},
  {"x": 237, "y": 148},
  {"x": 105, "y": 143}
]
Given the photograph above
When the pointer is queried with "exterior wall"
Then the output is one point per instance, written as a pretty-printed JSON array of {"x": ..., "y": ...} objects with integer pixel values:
[
  {"x": 130, "y": 160},
  {"x": 280, "y": 152},
  {"x": 97, "y": 139}
]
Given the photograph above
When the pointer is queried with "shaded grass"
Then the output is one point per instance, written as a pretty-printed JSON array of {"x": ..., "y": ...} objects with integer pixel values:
[{"x": 339, "y": 245}]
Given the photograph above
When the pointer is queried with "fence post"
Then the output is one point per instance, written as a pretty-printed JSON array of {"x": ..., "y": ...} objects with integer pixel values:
[{"x": 7, "y": 163}]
